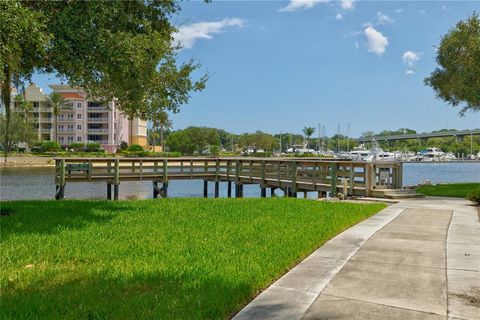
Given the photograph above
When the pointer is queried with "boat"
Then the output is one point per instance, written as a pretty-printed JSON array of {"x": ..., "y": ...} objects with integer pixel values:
[{"x": 431, "y": 154}]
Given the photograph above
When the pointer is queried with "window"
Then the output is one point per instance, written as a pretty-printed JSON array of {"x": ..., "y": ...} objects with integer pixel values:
[
  {"x": 70, "y": 139},
  {"x": 60, "y": 139},
  {"x": 60, "y": 128},
  {"x": 79, "y": 127},
  {"x": 79, "y": 105},
  {"x": 70, "y": 128},
  {"x": 79, "y": 139},
  {"x": 79, "y": 116},
  {"x": 70, "y": 116}
]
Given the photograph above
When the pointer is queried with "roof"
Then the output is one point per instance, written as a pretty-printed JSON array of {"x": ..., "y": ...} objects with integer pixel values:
[
  {"x": 71, "y": 95},
  {"x": 61, "y": 87}
]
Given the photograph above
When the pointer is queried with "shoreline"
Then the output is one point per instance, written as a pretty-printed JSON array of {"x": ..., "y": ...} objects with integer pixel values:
[{"x": 27, "y": 162}]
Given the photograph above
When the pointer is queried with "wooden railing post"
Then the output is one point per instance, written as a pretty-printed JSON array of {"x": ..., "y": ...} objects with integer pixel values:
[
  {"x": 165, "y": 171},
  {"x": 60, "y": 188},
  {"x": 293, "y": 177},
  {"x": 89, "y": 172},
  {"x": 352, "y": 179},
  {"x": 333, "y": 179},
  {"x": 400, "y": 176},
  {"x": 116, "y": 179}
]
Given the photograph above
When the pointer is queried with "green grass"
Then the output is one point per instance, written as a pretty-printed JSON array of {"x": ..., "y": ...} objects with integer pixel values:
[
  {"x": 459, "y": 190},
  {"x": 162, "y": 259}
]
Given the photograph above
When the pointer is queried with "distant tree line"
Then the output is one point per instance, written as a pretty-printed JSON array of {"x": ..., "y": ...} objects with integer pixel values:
[{"x": 205, "y": 140}]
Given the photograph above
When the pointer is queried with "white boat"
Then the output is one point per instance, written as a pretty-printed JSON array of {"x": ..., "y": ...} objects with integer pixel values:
[{"x": 431, "y": 154}]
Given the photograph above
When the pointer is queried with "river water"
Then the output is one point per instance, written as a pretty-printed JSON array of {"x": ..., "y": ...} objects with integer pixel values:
[{"x": 38, "y": 183}]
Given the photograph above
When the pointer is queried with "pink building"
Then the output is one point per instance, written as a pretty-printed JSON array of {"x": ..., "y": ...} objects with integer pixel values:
[{"x": 83, "y": 120}]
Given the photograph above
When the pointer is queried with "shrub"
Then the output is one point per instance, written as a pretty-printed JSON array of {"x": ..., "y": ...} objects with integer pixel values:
[
  {"x": 93, "y": 147},
  {"x": 214, "y": 150},
  {"x": 77, "y": 146},
  {"x": 123, "y": 145},
  {"x": 474, "y": 196},
  {"x": 135, "y": 148},
  {"x": 50, "y": 146}
]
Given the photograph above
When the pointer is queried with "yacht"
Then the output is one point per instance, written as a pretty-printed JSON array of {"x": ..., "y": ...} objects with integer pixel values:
[{"x": 431, "y": 154}]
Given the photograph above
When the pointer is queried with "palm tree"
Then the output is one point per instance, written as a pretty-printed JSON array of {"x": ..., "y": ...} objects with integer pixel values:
[
  {"x": 308, "y": 132},
  {"x": 57, "y": 102},
  {"x": 163, "y": 122},
  {"x": 23, "y": 105}
]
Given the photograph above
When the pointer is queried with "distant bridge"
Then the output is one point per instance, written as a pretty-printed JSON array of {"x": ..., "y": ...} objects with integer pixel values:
[{"x": 422, "y": 136}]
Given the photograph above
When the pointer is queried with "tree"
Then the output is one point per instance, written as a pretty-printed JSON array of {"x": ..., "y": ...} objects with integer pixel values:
[
  {"x": 56, "y": 102},
  {"x": 180, "y": 141},
  {"x": 457, "y": 79},
  {"x": 23, "y": 106},
  {"x": 257, "y": 140},
  {"x": 308, "y": 132},
  {"x": 20, "y": 130},
  {"x": 24, "y": 41},
  {"x": 193, "y": 139},
  {"x": 112, "y": 49},
  {"x": 160, "y": 123}
]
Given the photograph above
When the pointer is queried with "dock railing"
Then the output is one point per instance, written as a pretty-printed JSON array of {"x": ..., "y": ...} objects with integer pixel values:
[{"x": 289, "y": 175}]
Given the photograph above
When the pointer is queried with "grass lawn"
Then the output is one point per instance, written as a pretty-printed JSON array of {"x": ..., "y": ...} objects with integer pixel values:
[
  {"x": 162, "y": 259},
  {"x": 459, "y": 190}
]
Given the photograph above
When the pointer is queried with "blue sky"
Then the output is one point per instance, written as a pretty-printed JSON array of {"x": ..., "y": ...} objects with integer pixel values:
[{"x": 279, "y": 66}]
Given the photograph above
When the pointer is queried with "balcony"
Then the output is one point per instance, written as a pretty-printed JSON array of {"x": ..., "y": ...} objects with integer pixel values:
[
  {"x": 97, "y": 109},
  {"x": 97, "y": 130},
  {"x": 46, "y": 120},
  {"x": 66, "y": 119},
  {"x": 102, "y": 119},
  {"x": 46, "y": 130},
  {"x": 65, "y": 131}
]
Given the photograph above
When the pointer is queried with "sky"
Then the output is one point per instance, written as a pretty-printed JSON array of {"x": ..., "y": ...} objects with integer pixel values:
[{"x": 278, "y": 66}]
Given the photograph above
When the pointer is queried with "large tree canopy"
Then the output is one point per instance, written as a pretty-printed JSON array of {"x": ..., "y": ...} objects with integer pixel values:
[
  {"x": 457, "y": 78},
  {"x": 112, "y": 49}
]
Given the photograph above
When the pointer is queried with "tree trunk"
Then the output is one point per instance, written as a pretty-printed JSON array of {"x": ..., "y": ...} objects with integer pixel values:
[
  {"x": 6, "y": 97},
  {"x": 55, "y": 127},
  {"x": 161, "y": 138},
  {"x": 130, "y": 131},
  {"x": 154, "y": 133}
]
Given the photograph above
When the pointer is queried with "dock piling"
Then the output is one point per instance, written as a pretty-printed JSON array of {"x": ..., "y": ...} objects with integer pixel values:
[
  {"x": 217, "y": 189},
  {"x": 229, "y": 189},
  {"x": 263, "y": 192},
  {"x": 205, "y": 188},
  {"x": 109, "y": 191}
]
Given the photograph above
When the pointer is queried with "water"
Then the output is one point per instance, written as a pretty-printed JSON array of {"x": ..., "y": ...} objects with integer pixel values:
[{"x": 38, "y": 183}]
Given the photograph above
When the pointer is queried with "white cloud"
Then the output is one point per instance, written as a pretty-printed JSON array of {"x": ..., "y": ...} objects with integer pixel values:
[
  {"x": 339, "y": 16},
  {"x": 399, "y": 10},
  {"x": 294, "y": 5},
  {"x": 376, "y": 41},
  {"x": 409, "y": 58},
  {"x": 409, "y": 72},
  {"x": 444, "y": 7},
  {"x": 347, "y": 4},
  {"x": 187, "y": 35},
  {"x": 357, "y": 45},
  {"x": 382, "y": 18}
]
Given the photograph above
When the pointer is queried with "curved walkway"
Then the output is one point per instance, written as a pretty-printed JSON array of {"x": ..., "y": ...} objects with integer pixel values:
[{"x": 417, "y": 259}]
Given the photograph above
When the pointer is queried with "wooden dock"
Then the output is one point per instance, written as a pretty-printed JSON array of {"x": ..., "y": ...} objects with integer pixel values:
[{"x": 290, "y": 175}]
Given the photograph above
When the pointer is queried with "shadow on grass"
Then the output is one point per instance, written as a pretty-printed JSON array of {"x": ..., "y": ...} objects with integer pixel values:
[
  {"x": 48, "y": 217},
  {"x": 183, "y": 295}
]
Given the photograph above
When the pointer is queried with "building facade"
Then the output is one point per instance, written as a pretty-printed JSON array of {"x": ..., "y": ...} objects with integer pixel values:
[{"x": 83, "y": 120}]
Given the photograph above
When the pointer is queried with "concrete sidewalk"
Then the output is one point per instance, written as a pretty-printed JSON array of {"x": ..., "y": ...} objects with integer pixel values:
[{"x": 417, "y": 259}]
